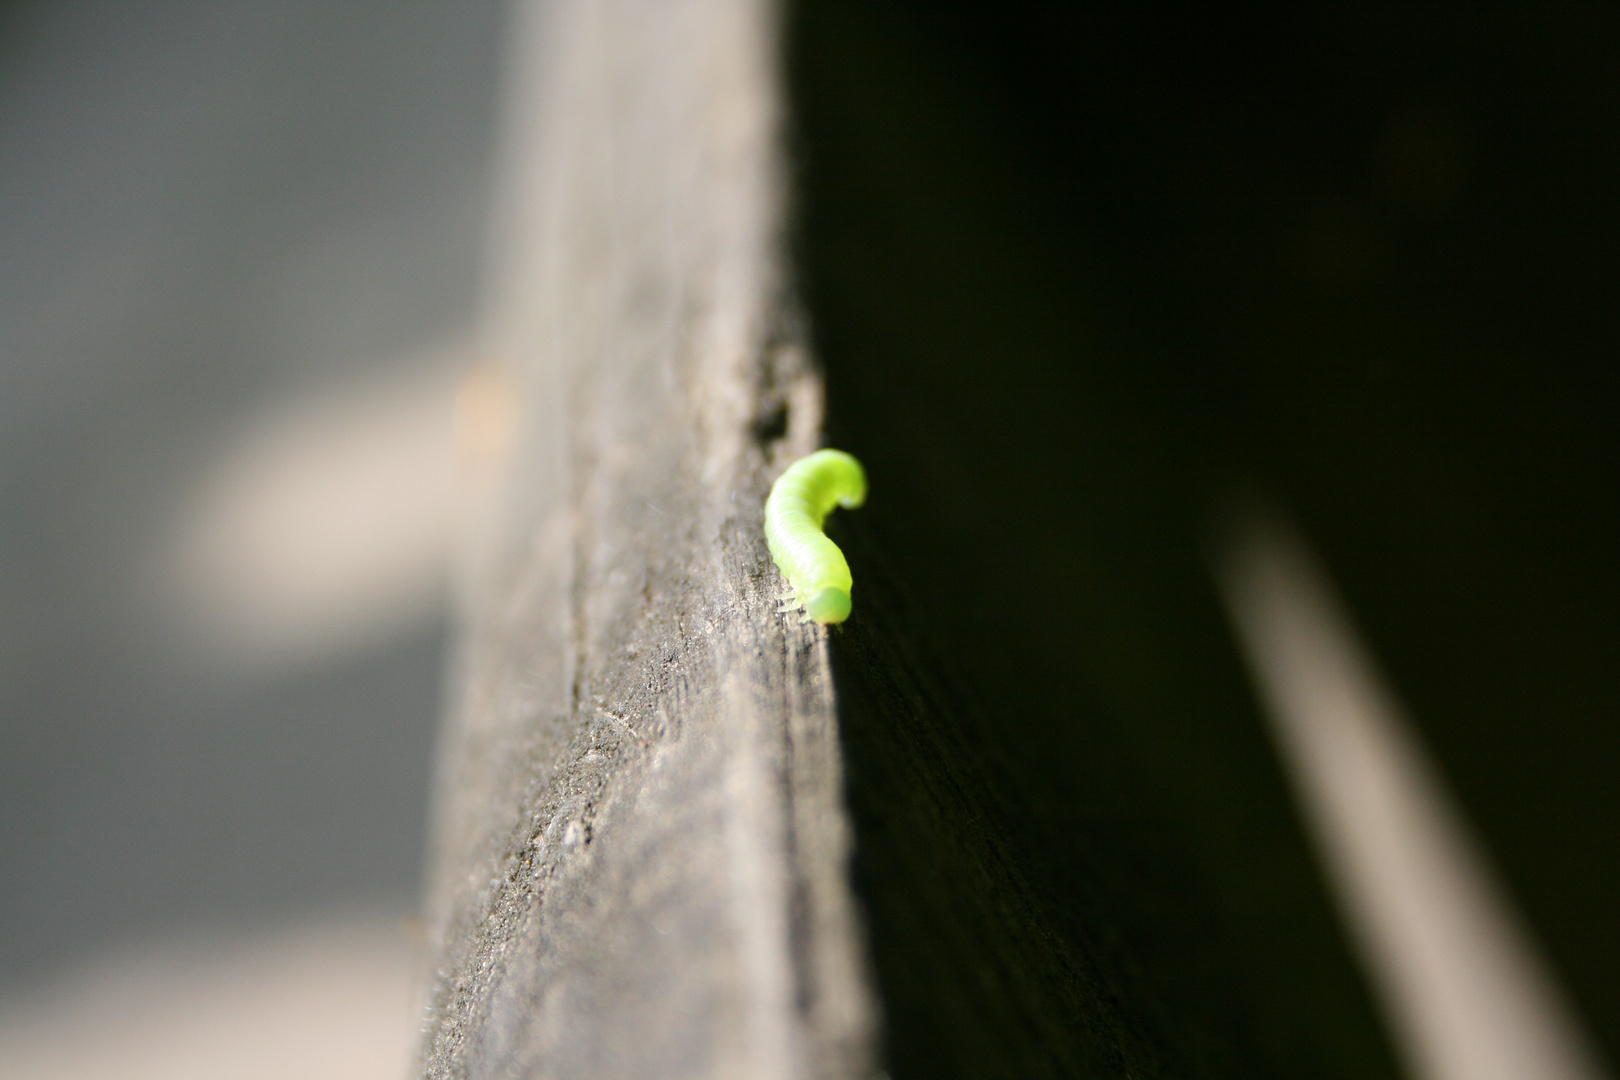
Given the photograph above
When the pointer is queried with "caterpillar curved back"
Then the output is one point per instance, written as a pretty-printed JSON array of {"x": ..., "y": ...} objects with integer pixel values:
[{"x": 799, "y": 502}]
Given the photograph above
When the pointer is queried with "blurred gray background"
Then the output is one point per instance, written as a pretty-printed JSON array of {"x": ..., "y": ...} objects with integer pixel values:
[{"x": 225, "y": 228}]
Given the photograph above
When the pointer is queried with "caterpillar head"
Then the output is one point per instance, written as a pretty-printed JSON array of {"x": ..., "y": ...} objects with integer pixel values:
[{"x": 828, "y": 605}]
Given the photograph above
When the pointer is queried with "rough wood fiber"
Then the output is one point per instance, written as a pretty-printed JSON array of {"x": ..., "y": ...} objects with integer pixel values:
[{"x": 641, "y": 849}]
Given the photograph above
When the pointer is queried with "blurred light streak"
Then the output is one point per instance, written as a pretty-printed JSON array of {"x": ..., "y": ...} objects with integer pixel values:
[
  {"x": 330, "y": 1001},
  {"x": 1463, "y": 989},
  {"x": 325, "y": 529}
]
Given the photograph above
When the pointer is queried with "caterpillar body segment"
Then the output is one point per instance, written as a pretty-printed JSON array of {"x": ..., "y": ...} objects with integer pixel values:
[{"x": 799, "y": 502}]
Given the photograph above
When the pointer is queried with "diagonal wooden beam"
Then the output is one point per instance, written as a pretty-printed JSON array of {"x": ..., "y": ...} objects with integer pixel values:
[{"x": 641, "y": 852}]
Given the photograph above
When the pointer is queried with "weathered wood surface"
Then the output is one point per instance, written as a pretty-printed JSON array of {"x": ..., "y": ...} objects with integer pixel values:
[{"x": 640, "y": 861}]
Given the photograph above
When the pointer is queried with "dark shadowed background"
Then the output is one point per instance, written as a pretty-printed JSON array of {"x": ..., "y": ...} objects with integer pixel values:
[{"x": 1077, "y": 273}]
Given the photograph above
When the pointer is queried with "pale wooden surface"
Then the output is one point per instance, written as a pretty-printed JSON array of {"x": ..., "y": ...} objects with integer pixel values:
[{"x": 640, "y": 862}]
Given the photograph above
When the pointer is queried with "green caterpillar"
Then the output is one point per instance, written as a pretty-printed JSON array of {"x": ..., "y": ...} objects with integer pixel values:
[{"x": 799, "y": 502}]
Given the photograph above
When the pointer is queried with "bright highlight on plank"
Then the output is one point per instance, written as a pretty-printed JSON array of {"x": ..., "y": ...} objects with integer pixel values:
[{"x": 799, "y": 502}]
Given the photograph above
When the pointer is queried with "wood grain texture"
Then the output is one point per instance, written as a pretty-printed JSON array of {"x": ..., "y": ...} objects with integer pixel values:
[{"x": 640, "y": 862}]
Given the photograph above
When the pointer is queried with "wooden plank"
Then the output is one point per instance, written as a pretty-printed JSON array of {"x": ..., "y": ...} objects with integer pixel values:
[{"x": 640, "y": 862}]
